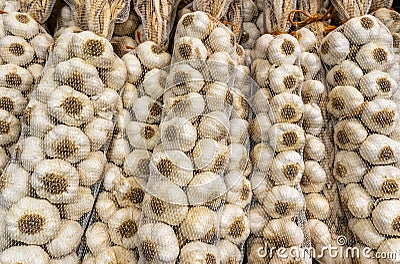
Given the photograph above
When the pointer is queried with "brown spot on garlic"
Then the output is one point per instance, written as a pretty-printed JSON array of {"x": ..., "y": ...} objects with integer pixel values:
[
  {"x": 342, "y": 137},
  {"x": 155, "y": 110},
  {"x": 72, "y": 105},
  {"x": 290, "y": 171},
  {"x": 55, "y": 183},
  {"x": 156, "y": 50},
  {"x": 338, "y": 103},
  {"x": 4, "y": 127},
  {"x": 22, "y": 18},
  {"x": 384, "y": 84},
  {"x": 340, "y": 77},
  {"x": 16, "y": 49},
  {"x": 282, "y": 208},
  {"x": 390, "y": 186},
  {"x": 166, "y": 167},
  {"x": 188, "y": 20},
  {"x": 386, "y": 153},
  {"x": 13, "y": 79},
  {"x": 65, "y": 148},
  {"x": 237, "y": 228},
  {"x": 147, "y": 132},
  {"x": 289, "y": 138},
  {"x": 211, "y": 259},
  {"x": 31, "y": 223},
  {"x": 75, "y": 80},
  {"x": 341, "y": 170},
  {"x": 149, "y": 250},
  {"x": 219, "y": 164},
  {"x": 157, "y": 206},
  {"x": 135, "y": 195},
  {"x": 210, "y": 236},
  {"x": 94, "y": 47},
  {"x": 396, "y": 224},
  {"x": 289, "y": 82},
  {"x": 367, "y": 22},
  {"x": 185, "y": 50},
  {"x": 245, "y": 192},
  {"x": 384, "y": 118},
  {"x": 245, "y": 37},
  {"x": 28, "y": 115},
  {"x": 379, "y": 55},
  {"x": 128, "y": 228},
  {"x": 288, "y": 112},
  {"x": 6, "y": 103},
  {"x": 288, "y": 47},
  {"x": 396, "y": 41},
  {"x": 143, "y": 166}
]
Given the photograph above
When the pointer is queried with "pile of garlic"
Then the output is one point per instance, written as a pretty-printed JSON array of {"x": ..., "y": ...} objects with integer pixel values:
[
  {"x": 277, "y": 215},
  {"x": 118, "y": 207},
  {"x": 197, "y": 190},
  {"x": 358, "y": 56},
  {"x": 49, "y": 188},
  {"x": 23, "y": 50}
]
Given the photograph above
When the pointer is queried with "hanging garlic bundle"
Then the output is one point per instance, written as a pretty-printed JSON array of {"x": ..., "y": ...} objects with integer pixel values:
[
  {"x": 50, "y": 186},
  {"x": 358, "y": 56},
  {"x": 24, "y": 48},
  {"x": 198, "y": 191},
  {"x": 137, "y": 132},
  {"x": 278, "y": 213}
]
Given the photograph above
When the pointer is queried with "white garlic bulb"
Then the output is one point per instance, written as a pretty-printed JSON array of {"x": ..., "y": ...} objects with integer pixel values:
[
  {"x": 210, "y": 155},
  {"x": 314, "y": 177},
  {"x": 82, "y": 204},
  {"x": 349, "y": 167},
  {"x": 239, "y": 189},
  {"x": 123, "y": 226},
  {"x": 385, "y": 217},
  {"x": 198, "y": 252},
  {"x": 313, "y": 120},
  {"x": 310, "y": 65},
  {"x": 375, "y": 56},
  {"x": 283, "y": 233},
  {"x": 97, "y": 238},
  {"x": 380, "y": 150},
  {"x": 314, "y": 148},
  {"x": 10, "y": 128},
  {"x": 287, "y": 168},
  {"x": 319, "y": 233},
  {"x": 378, "y": 83},
  {"x": 133, "y": 67},
  {"x": 152, "y": 56},
  {"x": 261, "y": 156},
  {"x": 21, "y": 254},
  {"x": 195, "y": 24},
  {"x": 285, "y": 137},
  {"x": 283, "y": 201},
  {"x": 334, "y": 48},
  {"x": 380, "y": 115},
  {"x": 165, "y": 202},
  {"x": 184, "y": 79},
  {"x": 229, "y": 253},
  {"x": 116, "y": 254},
  {"x": 317, "y": 206},
  {"x": 357, "y": 200},
  {"x": 137, "y": 163},
  {"x": 347, "y": 73},
  {"x": 383, "y": 182},
  {"x": 142, "y": 135},
  {"x": 313, "y": 91},
  {"x": 67, "y": 239},
  {"x": 361, "y": 30},
  {"x": 33, "y": 221},
  {"x": 105, "y": 206},
  {"x": 366, "y": 232},
  {"x": 206, "y": 188},
  {"x": 234, "y": 224},
  {"x": 344, "y": 101},
  {"x": 91, "y": 169},
  {"x": 284, "y": 49},
  {"x": 157, "y": 243},
  {"x": 55, "y": 180},
  {"x": 200, "y": 223},
  {"x": 286, "y": 108},
  {"x": 349, "y": 134},
  {"x": 30, "y": 152},
  {"x": 285, "y": 78}
]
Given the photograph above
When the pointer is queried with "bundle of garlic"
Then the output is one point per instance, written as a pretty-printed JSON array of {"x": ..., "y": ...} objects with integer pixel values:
[
  {"x": 198, "y": 191},
  {"x": 118, "y": 206},
  {"x": 278, "y": 215},
  {"x": 23, "y": 50},
  {"x": 326, "y": 220},
  {"x": 358, "y": 56}
]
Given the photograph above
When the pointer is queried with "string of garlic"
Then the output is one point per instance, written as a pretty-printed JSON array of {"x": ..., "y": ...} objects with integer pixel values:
[{"x": 365, "y": 117}]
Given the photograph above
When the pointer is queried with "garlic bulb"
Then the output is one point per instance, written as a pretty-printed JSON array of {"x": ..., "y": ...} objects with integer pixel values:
[
  {"x": 377, "y": 83},
  {"x": 234, "y": 224},
  {"x": 287, "y": 168},
  {"x": 28, "y": 254},
  {"x": 385, "y": 217},
  {"x": 347, "y": 73},
  {"x": 349, "y": 167},
  {"x": 380, "y": 150},
  {"x": 334, "y": 48},
  {"x": 283, "y": 233},
  {"x": 383, "y": 182},
  {"x": 67, "y": 239},
  {"x": 317, "y": 206},
  {"x": 282, "y": 201},
  {"x": 82, "y": 204},
  {"x": 389, "y": 245},
  {"x": 285, "y": 78},
  {"x": 357, "y": 200},
  {"x": 14, "y": 184},
  {"x": 152, "y": 56},
  {"x": 200, "y": 223},
  {"x": 116, "y": 254},
  {"x": 380, "y": 115},
  {"x": 30, "y": 152},
  {"x": 344, "y": 101},
  {"x": 349, "y": 134},
  {"x": 239, "y": 189},
  {"x": 197, "y": 251},
  {"x": 97, "y": 238},
  {"x": 33, "y": 221},
  {"x": 284, "y": 136},
  {"x": 123, "y": 227},
  {"x": 314, "y": 177},
  {"x": 286, "y": 107},
  {"x": 105, "y": 206},
  {"x": 366, "y": 232},
  {"x": 157, "y": 243},
  {"x": 228, "y": 252},
  {"x": 374, "y": 56},
  {"x": 284, "y": 49},
  {"x": 314, "y": 148}
]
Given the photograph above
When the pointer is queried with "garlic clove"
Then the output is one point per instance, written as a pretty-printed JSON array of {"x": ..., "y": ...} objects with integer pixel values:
[
  {"x": 67, "y": 239},
  {"x": 366, "y": 232},
  {"x": 357, "y": 200},
  {"x": 344, "y": 101},
  {"x": 283, "y": 233},
  {"x": 97, "y": 238},
  {"x": 314, "y": 177},
  {"x": 317, "y": 206},
  {"x": 380, "y": 150},
  {"x": 348, "y": 167},
  {"x": 349, "y": 134}
]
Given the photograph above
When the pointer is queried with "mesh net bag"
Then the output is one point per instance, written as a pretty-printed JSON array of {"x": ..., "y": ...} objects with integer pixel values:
[
  {"x": 197, "y": 192},
  {"x": 347, "y": 9},
  {"x": 277, "y": 217},
  {"x": 357, "y": 57},
  {"x": 50, "y": 184},
  {"x": 24, "y": 47}
]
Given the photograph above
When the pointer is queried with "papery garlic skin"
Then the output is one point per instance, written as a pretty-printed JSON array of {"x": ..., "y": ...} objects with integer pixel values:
[
  {"x": 195, "y": 252},
  {"x": 366, "y": 232},
  {"x": 383, "y": 182},
  {"x": 334, "y": 48},
  {"x": 287, "y": 168},
  {"x": 283, "y": 233},
  {"x": 357, "y": 200},
  {"x": 91, "y": 169},
  {"x": 317, "y": 206},
  {"x": 201, "y": 223},
  {"x": 349, "y": 167},
  {"x": 15, "y": 184},
  {"x": 228, "y": 252},
  {"x": 31, "y": 152},
  {"x": 385, "y": 217},
  {"x": 123, "y": 226},
  {"x": 81, "y": 205},
  {"x": 380, "y": 150},
  {"x": 105, "y": 206}
]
